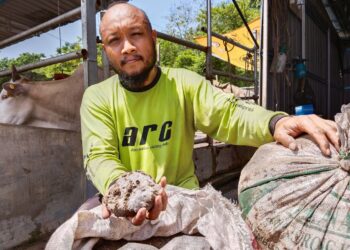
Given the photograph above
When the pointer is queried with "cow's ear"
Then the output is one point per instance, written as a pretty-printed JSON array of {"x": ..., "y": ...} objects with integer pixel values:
[
  {"x": 14, "y": 89},
  {"x": 15, "y": 76}
]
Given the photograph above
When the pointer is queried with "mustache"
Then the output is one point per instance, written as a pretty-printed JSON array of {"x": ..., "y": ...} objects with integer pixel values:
[{"x": 125, "y": 59}]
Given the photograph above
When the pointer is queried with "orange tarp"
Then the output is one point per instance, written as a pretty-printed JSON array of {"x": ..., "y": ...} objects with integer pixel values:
[{"x": 237, "y": 55}]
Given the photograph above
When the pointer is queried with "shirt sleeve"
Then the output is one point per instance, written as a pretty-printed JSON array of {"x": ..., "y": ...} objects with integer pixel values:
[
  {"x": 228, "y": 119},
  {"x": 99, "y": 140}
]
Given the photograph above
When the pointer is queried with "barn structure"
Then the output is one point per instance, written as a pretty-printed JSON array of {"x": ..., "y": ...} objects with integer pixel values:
[
  {"x": 313, "y": 33},
  {"x": 43, "y": 181}
]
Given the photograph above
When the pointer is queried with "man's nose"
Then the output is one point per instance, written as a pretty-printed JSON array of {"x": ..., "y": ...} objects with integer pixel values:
[{"x": 128, "y": 47}]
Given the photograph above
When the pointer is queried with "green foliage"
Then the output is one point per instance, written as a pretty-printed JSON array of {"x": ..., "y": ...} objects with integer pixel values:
[
  {"x": 255, "y": 3},
  {"x": 185, "y": 21},
  {"x": 168, "y": 52},
  {"x": 65, "y": 67},
  {"x": 225, "y": 16},
  {"x": 70, "y": 66},
  {"x": 174, "y": 55},
  {"x": 192, "y": 60},
  {"x": 182, "y": 19},
  {"x": 5, "y": 63},
  {"x": 23, "y": 59},
  {"x": 48, "y": 72}
]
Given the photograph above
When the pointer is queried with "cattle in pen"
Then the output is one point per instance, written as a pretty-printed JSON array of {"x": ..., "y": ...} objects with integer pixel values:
[{"x": 50, "y": 104}]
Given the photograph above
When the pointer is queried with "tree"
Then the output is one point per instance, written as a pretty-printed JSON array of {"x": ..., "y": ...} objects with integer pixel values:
[
  {"x": 225, "y": 16},
  {"x": 22, "y": 59},
  {"x": 185, "y": 21},
  {"x": 65, "y": 67},
  {"x": 182, "y": 19},
  {"x": 4, "y": 63},
  {"x": 192, "y": 60},
  {"x": 70, "y": 66}
]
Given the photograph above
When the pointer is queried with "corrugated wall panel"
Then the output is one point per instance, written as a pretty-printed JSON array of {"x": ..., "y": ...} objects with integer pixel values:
[
  {"x": 346, "y": 61},
  {"x": 337, "y": 83},
  {"x": 316, "y": 56},
  {"x": 285, "y": 84}
]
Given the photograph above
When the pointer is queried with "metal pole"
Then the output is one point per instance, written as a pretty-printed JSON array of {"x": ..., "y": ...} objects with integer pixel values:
[
  {"x": 88, "y": 21},
  {"x": 105, "y": 62},
  {"x": 181, "y": 42},
  {"x": 209, "y": 48},
  {"x": 265, "y": 71},
  {"x": 46, "y": 62},
  {"x": 245, "y": 23},
  {"x": 256, "y": 67},
  {"x": 260, "y": 50},
  {"x": 73, "y": 14},
  {"x": 303, "y": 30},
  {"x": 329, "y": 73},
  {"x": 229, "y": 40},
  {"x": 88, "y": 13}
]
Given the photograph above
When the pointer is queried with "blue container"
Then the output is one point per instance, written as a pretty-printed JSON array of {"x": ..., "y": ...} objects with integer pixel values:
[
  {"x": 305, "y": 109},
  {"x": 300, "y": 70}
]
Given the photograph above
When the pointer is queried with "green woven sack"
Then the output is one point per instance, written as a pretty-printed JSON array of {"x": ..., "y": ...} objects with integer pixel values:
[{"x": 299, "y": 200}]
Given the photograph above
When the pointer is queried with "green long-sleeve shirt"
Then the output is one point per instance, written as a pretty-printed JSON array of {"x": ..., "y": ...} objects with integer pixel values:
[{"x": 153, "y": 130}]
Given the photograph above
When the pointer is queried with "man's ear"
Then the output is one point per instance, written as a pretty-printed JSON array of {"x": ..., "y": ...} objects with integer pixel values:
[{"x": 14, "y": 89}]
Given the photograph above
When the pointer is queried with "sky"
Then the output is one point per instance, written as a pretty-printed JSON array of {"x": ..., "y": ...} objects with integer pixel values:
[{"x": 47, "y": 43}]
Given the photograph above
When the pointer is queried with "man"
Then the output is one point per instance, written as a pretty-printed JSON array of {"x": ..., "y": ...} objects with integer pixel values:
[{"x": 145, "y": 118}]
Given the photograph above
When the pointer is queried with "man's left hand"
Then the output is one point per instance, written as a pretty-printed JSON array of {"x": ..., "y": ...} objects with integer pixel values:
[{"x": 322, "y": 131}]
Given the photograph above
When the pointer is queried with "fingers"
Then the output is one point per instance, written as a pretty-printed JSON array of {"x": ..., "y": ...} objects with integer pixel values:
[
  {"x": 105, "y": 212},
  {"x": 164, "y": 199},
  {"x": 143, "y": 214},
  {"x": 332, "y": 133},
  {"x": 286, "y": 140},
  {"x": 322, "y": 131},
  {"x": 139, "y": 217},
  {"x": 160, "y": 204},
  {"x": 153, "y": 214},
  {"x": 285, "y": 131},
  {"x": 157, "y": 208},
  {"x": 163, "y": 194},
  {"x": 163, "y": 182}
]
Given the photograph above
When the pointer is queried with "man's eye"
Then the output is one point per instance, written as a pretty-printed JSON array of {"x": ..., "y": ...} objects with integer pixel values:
[
  {"x": 114, "y": 39},
  {"x": 136, "y": 33}
]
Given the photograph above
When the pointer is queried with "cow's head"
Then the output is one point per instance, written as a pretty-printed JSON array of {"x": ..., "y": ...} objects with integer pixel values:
[
  {"x": 15, "y": 106},
  {"x": 14, "y": 87}
]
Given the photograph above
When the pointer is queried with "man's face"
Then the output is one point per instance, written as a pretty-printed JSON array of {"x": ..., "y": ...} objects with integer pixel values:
[{"x": 128, "y": 41}]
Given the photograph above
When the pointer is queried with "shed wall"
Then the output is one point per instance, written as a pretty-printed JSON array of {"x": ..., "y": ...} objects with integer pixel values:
[
  {"x": 283, "y": 86},
  {"x": 42, "y": 181}
]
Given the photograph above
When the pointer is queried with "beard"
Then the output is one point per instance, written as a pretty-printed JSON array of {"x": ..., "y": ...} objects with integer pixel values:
[{"x": 136, "y": 81}]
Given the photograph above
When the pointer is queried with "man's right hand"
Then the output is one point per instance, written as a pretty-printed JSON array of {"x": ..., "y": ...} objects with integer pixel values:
[{"x": 160, "y": 204}]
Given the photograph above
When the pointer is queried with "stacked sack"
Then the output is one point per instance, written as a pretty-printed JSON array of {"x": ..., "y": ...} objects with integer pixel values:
[{"x": 299, "y": 200}]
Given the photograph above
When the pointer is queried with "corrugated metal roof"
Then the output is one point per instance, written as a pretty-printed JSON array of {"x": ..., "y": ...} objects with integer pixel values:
[
  {"x": 17, "y": 16},
  {"x": 339, "y": 14}
]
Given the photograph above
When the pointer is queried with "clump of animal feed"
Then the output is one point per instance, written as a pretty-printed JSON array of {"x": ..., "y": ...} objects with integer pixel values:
[{"x": 130, "y": 192}]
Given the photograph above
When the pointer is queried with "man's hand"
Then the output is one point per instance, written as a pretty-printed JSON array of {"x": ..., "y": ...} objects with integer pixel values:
[
  {"x": 322, "y": 131},
  {"x": 160, "y": 204}
]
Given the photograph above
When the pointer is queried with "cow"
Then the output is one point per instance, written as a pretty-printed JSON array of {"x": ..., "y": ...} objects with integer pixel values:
[{"x": 49, "y": 104}]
